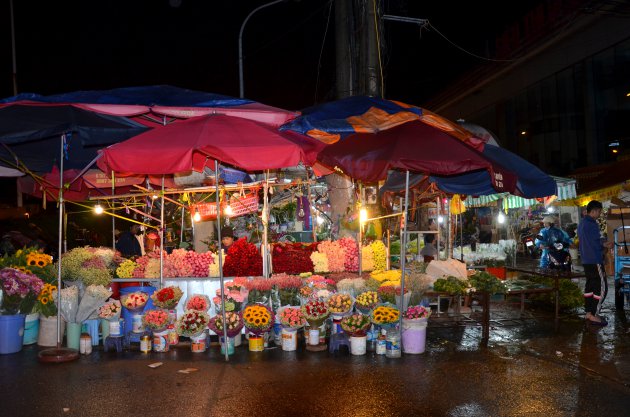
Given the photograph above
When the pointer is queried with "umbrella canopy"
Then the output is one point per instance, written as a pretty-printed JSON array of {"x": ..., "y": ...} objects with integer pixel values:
[
  {"x": 413, "y": 146},
  {"x": 32, "y": 132},
  {"x": 334, "y": 121},
  {"x": 197, "y": 142}
]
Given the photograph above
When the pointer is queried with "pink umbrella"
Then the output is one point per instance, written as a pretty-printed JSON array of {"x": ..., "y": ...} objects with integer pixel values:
[{"x": 197, "y": 142}]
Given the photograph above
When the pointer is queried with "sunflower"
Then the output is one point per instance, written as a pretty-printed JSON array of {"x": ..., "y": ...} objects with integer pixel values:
[{"x": 44, "y": 300}]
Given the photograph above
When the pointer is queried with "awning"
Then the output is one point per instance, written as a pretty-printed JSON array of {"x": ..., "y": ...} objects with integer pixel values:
[{"x": 565, "y": 190}]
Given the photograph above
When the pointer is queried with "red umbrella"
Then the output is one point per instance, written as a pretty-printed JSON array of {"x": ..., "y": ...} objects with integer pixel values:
[
  {"x": 197, "y": 142},
  {"x": 413, "y": 146}
]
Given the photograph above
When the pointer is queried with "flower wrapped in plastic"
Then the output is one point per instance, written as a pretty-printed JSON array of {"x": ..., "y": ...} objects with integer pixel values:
[
  {"x": 91, "y": 301},
  {"x": 315, "y": 312},
  {"x": 291, "y": 317},
  {"x": 234, "y": 322},
  {"x": 258, "y": 318},
  {"x": 110, "y": 310},
  {"x": 356, "y": 324},
  {"x": 167, "y": 297},
  {"x": 192, "y": 323},
  {"x": 339, "y": 304},
  {"x": 259, "y": 290},
  {"x": 366, "y": 302},
  {"x": 157, "y": 320},
  {"x": 135, "y": 301},
  {"x": 69, "y": 303},
  {"x": 385, "y": 315},
  {"x": 199, "y": 302},
  {"x": 416, "y": 312}
]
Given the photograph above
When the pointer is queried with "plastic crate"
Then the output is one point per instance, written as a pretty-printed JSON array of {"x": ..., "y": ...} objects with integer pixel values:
[{"x": 231, "y": 175}]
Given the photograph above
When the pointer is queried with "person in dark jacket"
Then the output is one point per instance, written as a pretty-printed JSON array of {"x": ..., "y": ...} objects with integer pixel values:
[
  {"x": 128, "y": 244},
  {"x": 591, "y": 250}
]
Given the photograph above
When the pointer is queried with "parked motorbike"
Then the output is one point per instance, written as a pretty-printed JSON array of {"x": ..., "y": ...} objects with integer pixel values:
[
  {"x": 559, "y": 257},
  {"x": 527, "y": 238}
]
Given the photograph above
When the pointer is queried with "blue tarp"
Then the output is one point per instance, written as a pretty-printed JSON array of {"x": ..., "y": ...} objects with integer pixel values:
[
  {"x": 531, "y": 181},
  {"x": 156, "y": 95}
]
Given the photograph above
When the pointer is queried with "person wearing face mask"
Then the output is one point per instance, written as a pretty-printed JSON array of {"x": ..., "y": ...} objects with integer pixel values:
[
  {"x": 128, "y": 244},
  {"x": 548, "y": 236}
]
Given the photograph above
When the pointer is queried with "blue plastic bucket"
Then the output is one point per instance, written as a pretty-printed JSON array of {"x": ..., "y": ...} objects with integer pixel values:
[
  {"x": 11, "y": 333},
  {"x": 128, "y": 315},
  {"x": 31, "y": 329},
  {"x": 91, "y": 327}
]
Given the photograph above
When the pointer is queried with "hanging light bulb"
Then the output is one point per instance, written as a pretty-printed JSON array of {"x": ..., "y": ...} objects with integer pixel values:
[
  {"x": 440, "y": 219},
  {"x": 501, "y": 218},
  {"x": 98, "y": 209},
  {"x": 197, "y": 216},
  {"x": 550, "y": 209},
  {"x": 228, "y": 211},
  {"x": 363, "y": 216},
  {"x": 320, "y": 219}
]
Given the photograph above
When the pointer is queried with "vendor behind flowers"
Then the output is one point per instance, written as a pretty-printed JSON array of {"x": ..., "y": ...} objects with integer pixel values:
[{"x": 227, "y": 238}]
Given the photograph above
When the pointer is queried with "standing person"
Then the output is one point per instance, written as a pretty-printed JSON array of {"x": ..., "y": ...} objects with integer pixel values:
[
  {"x": 128, "y": 244},
  {"x": 591, "y": 245},
  {"x": 429, "y": 251}
]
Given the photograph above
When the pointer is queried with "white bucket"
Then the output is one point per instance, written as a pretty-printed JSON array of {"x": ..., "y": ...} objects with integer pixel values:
[
  {"x": 358, "y": 345},
  {"x": 160, "y": 341},
  {"x": 136, "y": 323},
  {"x": 313, "y": 337},
  {"x": 198, "y": 344},
  {"x": 414, "y": 335},
  {"x": 238, "y": 340},
  {"x": 48, "y": 331},
  {"x": 289, "y": 339}
]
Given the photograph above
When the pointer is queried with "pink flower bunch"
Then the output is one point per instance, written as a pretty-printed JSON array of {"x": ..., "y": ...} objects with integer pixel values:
[
  {"x": 287, "y": 282},
  {"x": 200, "y": 263},
  {"x": 335, "y": 254},
  {"x": 156, "y": 320},
  {"x": 135, "y": 300},
  {"x": 110, "y": 310},
  {"x": 198, "y": 302},
  {"x": 292, "y": 317},
  {"x": 259, "y": 284},
  {"x": 416, "y": 312},
  {"x": 236, "y": 284},
  {"x": 181, "y": 263},
  {"x": 18, "y": 283},
  {"x": 351, "y": 248}
]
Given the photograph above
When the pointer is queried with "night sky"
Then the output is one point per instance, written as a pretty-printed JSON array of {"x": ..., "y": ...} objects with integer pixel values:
[{"x": 91, "y": 45}]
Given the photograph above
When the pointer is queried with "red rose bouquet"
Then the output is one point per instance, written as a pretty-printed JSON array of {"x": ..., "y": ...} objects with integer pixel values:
[
  {"x": 315, "y": 312},
  {"x": 167, "y": 297},
  {"x": 192, "y": 323}
]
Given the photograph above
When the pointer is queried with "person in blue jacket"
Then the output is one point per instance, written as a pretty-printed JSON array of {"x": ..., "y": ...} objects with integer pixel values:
[
  {"x": 548, "y": 236},
  {"x": 591, "y": 250}
]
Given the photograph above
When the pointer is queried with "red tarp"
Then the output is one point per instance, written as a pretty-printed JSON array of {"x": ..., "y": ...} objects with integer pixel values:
[{"x": 194, "y": 143}]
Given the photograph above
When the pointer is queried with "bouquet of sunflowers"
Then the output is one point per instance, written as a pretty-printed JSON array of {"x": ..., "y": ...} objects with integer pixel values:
[
  {"x": 258, "y": 318},
  {"x": 385, "y": 315},
  {"x": 45, "y": 304}
]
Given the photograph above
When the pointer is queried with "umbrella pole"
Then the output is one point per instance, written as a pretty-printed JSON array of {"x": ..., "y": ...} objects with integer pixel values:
[
  {"x": 162, "y": 237},
  {"x": 461, "y": 237},
  {"x": 225, "y": 338},
  {"x": 265, "y": 221},
  {"x": 403, "y": 250},
  {"x": 113, "y": 217},
  {"x": 59, "y": 354}
]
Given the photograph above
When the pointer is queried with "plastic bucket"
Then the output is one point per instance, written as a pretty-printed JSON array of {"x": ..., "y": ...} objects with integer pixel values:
[
  {"x": 128, "y": 315},
  {"x": 48, "y": 331},
  {"x": 238, "y": 340},
  {"x": 230, "y": 345},
  {"x": 11, "y": 333},
  {"x": 104, "y": 329},
  {"x": 92, "y": 328},
  {"x": 256, "y": 343},
  {"x": 289, "y": 339},
  {"x": 414, "y": 336},
  {"x": 160, "y": 341},
  {"x": 313, "y": 337},
  {"x": 73, "y": 335},
  {"x": 358, "y": 345},
  {"x": 31, "y": 329},
  {"x": 199, "y": 343}
]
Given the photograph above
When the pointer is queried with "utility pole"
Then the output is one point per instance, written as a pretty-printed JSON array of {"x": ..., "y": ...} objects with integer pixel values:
[
  {"x": 344, "y": 48},
  {"x": 370, "y": 82}
]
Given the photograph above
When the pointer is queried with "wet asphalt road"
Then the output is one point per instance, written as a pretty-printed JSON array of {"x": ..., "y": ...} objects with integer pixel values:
[{"x": 529, "y": 369}]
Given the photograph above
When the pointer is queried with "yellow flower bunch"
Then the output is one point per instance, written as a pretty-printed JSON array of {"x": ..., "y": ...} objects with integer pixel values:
[
  {"x": 385, "y": 315},
  {"x": 125, "y": 269},
  {"x": 47, "y": 294},
  {"x": 339, "y": 303},
  {"x": 257, "y": 316},
  {"x": 367, "y": 299},
  {"x": 391, "y": 275},
  {"x": 38, "y": 259},
  {"x": 46, "y": 301},
  {"x": 380, "y": 255}
]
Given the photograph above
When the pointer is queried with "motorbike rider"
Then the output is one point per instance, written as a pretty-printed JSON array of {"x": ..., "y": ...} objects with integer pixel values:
[{"x": 548, "y": 236}]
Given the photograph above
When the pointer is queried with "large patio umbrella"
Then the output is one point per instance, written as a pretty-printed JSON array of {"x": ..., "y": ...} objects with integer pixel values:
[
  {"x": 412, "y": 146},
  {"x": 197, "y": 142}
]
